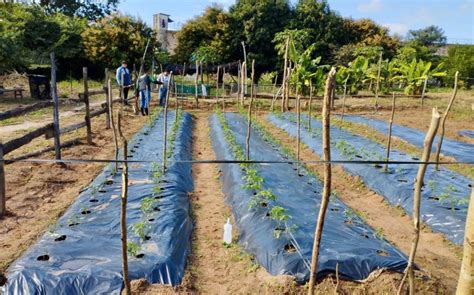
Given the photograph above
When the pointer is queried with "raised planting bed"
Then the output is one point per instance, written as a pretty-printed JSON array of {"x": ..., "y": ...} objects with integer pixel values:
[
  {"x": 445, "y": 194},
  {"x": 275, "y": 208},
  {"x": 459, "y": 150},
  {"x": 81, "y": 254}
]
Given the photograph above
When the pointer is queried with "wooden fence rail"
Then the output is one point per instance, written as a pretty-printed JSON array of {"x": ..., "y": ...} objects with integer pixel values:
[{"x": 26, "y": 109}]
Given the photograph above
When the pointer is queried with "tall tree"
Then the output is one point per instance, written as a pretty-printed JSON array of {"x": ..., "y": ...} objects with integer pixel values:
[
  {"x": 256, "y": 22},
  {"x": 89, "y": 9},
  {"x": 429, "y": 36}
]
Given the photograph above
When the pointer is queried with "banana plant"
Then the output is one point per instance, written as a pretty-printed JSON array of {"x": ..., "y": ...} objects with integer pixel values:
[
  {"x": 413, "y": 74},
  {"x": 358, "y": 69}
]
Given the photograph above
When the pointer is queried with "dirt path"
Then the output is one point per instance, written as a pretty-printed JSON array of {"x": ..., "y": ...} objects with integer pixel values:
[{"x": 435, "y": 256}]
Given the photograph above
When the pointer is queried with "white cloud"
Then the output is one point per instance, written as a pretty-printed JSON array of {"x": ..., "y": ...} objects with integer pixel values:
[
  {"x": 397, "y": 28},
  {"x": 371, "y": 6}
]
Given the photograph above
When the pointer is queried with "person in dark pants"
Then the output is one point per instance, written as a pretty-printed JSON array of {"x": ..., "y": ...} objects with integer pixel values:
[
  {"x": 164, "y": 78},
  {"x": 144, "y": 89},
  {"x": 124, "y": 85}
]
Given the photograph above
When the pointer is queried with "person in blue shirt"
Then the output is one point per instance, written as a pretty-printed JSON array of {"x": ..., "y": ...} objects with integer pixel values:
[{"x": 126, "y": 83}]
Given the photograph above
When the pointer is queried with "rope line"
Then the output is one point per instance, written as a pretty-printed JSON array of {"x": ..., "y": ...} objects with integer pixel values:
[{"x": 356, "y": 162}]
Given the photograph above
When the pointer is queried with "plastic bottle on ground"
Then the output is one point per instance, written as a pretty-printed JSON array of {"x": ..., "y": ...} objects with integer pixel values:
[{"x": 228, "y": 232}]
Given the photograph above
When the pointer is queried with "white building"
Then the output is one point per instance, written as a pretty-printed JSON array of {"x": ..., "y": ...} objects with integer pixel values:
[{"x": 166, "y": 37}]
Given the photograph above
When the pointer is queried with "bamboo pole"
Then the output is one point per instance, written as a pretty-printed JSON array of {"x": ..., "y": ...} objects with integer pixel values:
[
  {"x": 123, "y": 208},
  {"x": 244, "y": 71},
  {"x": 427, "y": 143},
  {"x": 443, "y": 120},
  {"x": 86, "y": 102},
  {"x": 466, "y": 276},
  {"x": 285, "y": 65},
  {"x": 112, "y": 123},
  {"x": 249, "y": 117},
  {"x": 310, "y": 104},
  {"x": 389, "y": 141},
  {"x": 242, "y": 83},
  {"x": 377, "y": 83},
  {"x": 3, "y": 183},
  {"x": 54, "y": 94},
  {"x": 165, "y": 131},
  {"x": 330, "y": 84}
]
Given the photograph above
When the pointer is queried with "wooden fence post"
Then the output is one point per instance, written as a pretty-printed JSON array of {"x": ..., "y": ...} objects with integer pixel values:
[
  {"x": 249, "y": 118},
  {"x": 106, "y": 88},
  {"x": 86, "y": 102},
  {"x": 427, "y": 143},
  {"x": 54, "y": 94},
  {"x": 389, "y": 142},
  {"x": 466, "y": 275},
  {"x": 3, "y": 197},
  {"x": 111, "y": 115},
  {"x": 330, "y": 83},
  {"x": 196, "y": 98},
  {"x": 424, "y": 91}
]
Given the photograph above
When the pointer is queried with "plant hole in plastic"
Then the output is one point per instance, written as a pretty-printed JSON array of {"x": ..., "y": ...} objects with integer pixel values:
[
  {"x": 151, "y": 219},
  {"x": 334, "y": 209},
  {"x": 93, "y": 200},
  {"x": 264, "y": 204},
  {"x": 141, "y": 255},
  {"x": 382, "y": 253},
  {"x": 365, "y": 235},
  {"x": 290, "y": 248},
  {"x": 147, "y": 238},
  {"x": 156, "y": 209},
  {"x": 434, "y": 198},
  {"x": 43, "y": 257},
  {"x": 73, "y": 224},
  {"x": 402, "y": 180},
  {"x": 109, "y": 182},
  {"x": 60, "y": 238},
  {"x": 102, "y": 191}
]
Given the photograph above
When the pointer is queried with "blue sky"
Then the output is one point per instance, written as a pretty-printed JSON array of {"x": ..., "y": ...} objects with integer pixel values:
[{"x": 455, "y": 17}]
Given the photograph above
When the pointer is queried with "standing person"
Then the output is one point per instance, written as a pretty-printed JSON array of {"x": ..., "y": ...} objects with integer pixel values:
[
  {"x": 144, "y": 90},
  {"x": 163, "y": 78},
  {"x": 126, "y": 83}
]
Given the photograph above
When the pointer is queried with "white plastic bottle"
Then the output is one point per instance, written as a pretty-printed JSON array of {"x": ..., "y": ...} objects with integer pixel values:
[{"x": 228, "y": 232}]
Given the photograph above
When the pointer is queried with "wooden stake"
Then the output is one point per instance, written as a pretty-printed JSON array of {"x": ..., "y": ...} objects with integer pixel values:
[
  {"x": 165, "y": 131},
  {"x": 217, "y": 85},
  {"x": 466, "y": 276},
  {"x": 285, "y": 69},
  {"x": 249, "y": 117},
  {"x": 196, "y": 85},
  {"x": 427, "y": 143},
  {"x": 123, "y": 208},
  {"x": 86, "y": 102},
  {"x": 111, "y": 114},
  {"x": 54, "y": 94},
  {"x": 344, "y": 101},
  {"x": 330, "y": 84},
  {"x": 424, "y": 91},
  {"x": 3, "y": 184},
  {"x": 310, "y": 103},
  {"x": 377, "y": 83},
  {"x": 443, "y": 120},
  {"x": 107, "y": 117},
  {"x": 298, "y": 137},
  {"x": 243, "y": 83},
  {"x": 389, "y": 141}
]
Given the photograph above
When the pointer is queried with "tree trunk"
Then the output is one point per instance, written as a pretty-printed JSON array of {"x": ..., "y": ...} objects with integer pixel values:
[
  {"x": 3, "y": 197},
  {"x": 424, "y": 91},
  {"x": 217, "y": 84},
  {"x": 466, "y": 276},
  {"x": 123, "y": 208},
  {"x": 443, "y": 120},
  {"x": 330, "y": 83},
  {"x": 86, "y": 102},
  {"x": 389, "y": 141},
  {"x": 427, "y": 143}
]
